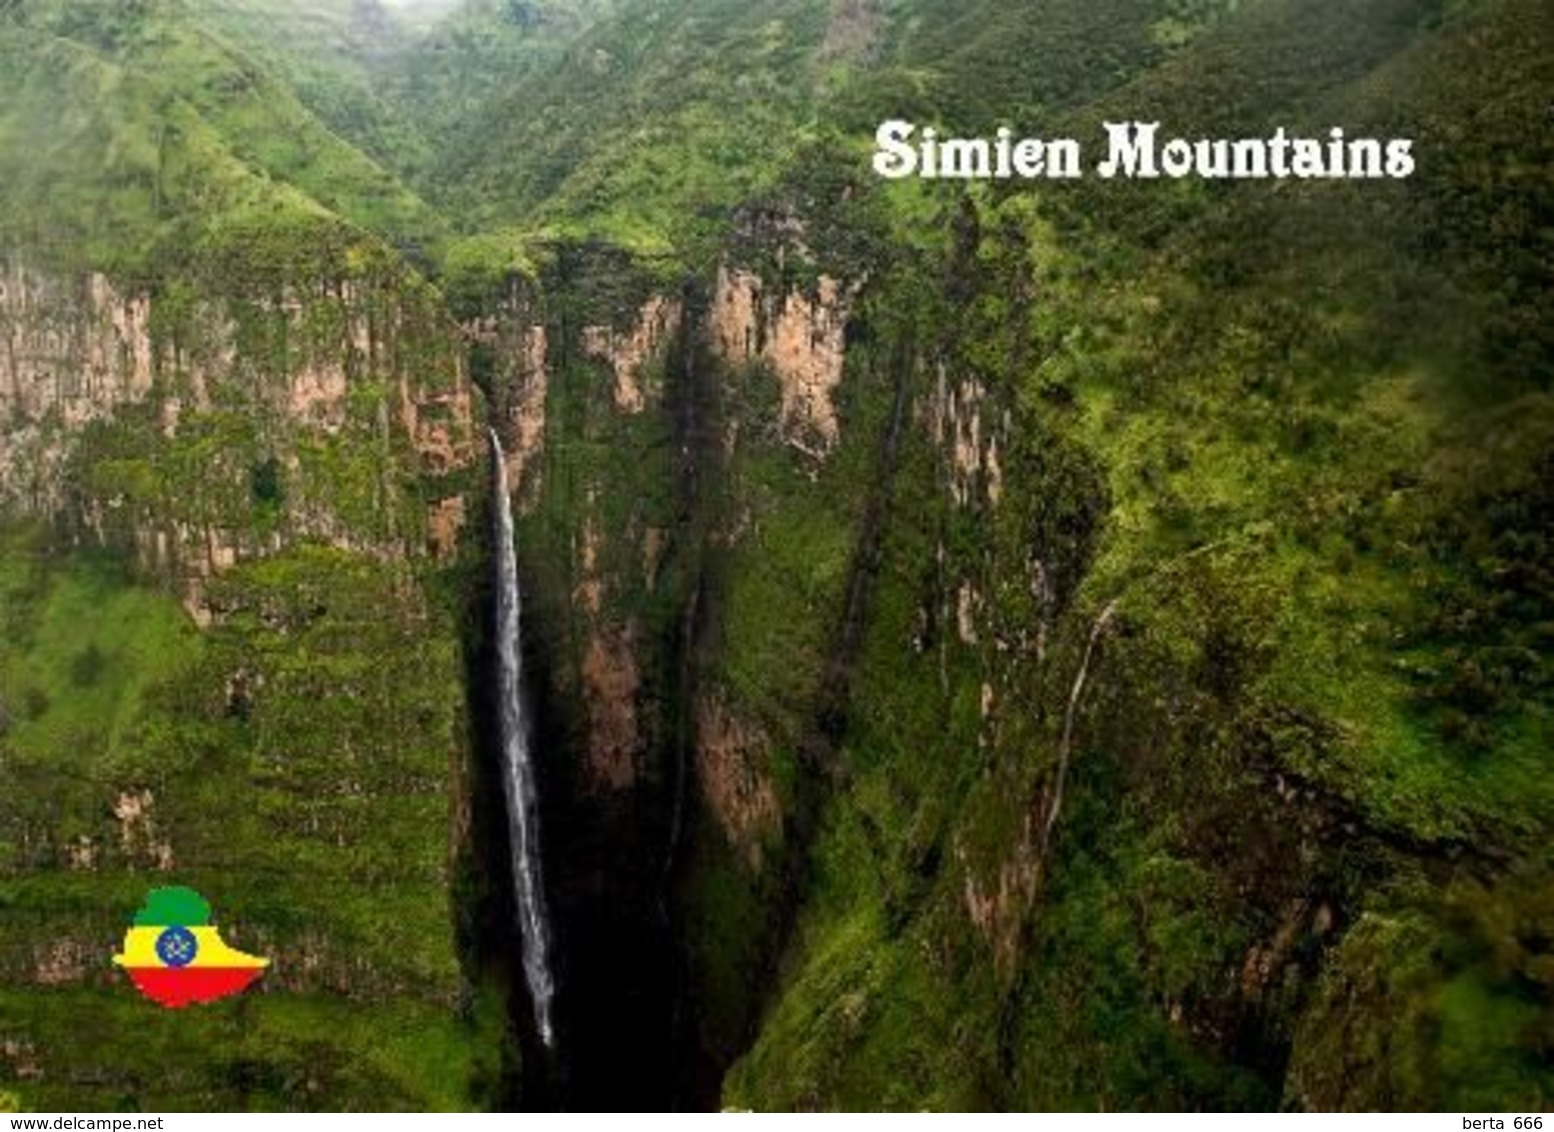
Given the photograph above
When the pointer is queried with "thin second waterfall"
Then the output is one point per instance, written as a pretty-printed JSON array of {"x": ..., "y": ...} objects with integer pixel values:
[{"x": 523, "y": 817}]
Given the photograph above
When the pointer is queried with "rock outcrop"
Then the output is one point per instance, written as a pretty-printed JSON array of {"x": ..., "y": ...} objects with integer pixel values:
[
  {"x": 198, "y": 427},
  {"x": 629, "y": 353},
  {"x": 801, "y": 338},
  {"x": 736, "y": 786},
  {"x": 517, "y": 340}
]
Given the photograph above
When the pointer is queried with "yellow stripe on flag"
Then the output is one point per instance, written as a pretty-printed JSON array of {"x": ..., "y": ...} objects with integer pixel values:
[{"x": 140, "y": 950}]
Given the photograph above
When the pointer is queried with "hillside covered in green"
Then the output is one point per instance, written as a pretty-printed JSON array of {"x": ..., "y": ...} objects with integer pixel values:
[{"x": 1010, "y": 645}]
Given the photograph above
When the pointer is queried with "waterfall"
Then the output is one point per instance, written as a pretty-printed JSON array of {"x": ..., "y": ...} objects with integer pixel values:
[
  {"x": 1066, "y": 746},
  {"x": 523, "y": 817}
]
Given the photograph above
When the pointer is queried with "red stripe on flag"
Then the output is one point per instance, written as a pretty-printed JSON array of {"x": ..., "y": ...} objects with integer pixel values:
[{"x": 180, "y": 986}]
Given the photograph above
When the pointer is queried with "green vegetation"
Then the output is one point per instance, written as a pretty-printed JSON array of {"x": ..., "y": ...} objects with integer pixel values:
[
  {"x": 167, "y": 129},
  {"x": 1145, "y": 704},
  {"x": 291, "y": 760},
  {"x": 239, "y": 761},
  {"x": 85, "y": 655},
  {"x": 1296, "y": 409}
]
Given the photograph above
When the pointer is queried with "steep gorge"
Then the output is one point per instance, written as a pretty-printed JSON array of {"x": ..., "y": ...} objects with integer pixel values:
[{"x": 985, "y": 650}]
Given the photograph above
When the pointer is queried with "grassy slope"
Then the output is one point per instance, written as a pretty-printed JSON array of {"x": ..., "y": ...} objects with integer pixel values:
[
  {"x": 650, "y": 126},
  {"x": 329, "y": 56},
  {"x": 421, "y": 90},
  {"x": 167, "y": 126},
  {"x": 663, "y": 117},
  {"x": 456, "y": 80}
]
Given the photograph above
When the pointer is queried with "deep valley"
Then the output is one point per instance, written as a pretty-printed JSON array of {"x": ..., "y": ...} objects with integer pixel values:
[{"x": 984, "y": 644}]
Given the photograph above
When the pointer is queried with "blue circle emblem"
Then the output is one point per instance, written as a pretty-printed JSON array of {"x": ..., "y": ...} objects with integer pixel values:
[{"x": 177, "y": 947}]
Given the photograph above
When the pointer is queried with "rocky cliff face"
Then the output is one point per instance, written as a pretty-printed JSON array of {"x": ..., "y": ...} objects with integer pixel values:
[
  {"x": 292, "y": 461},
  {"x": 74, "y": 351},
  {"x": 797, "y": 337},
  {"x": 199, "y": 423},
  {"x": 630, "y": 353},
  {"x": 821, "y": 592},
  {"x": 110, "y": 397},
  {"x": 624, "y": 371},
  {"x": 628, "y": 408}
]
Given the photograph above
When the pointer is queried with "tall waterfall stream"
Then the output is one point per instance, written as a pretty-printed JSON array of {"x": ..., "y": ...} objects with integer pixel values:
[{"x": 523, "y": 818}]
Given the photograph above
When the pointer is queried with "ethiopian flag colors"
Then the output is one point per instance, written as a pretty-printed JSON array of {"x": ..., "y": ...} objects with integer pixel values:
[{"x": 176, "y": 956}]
